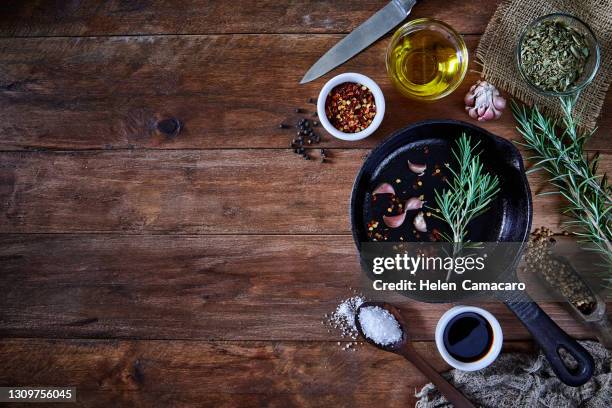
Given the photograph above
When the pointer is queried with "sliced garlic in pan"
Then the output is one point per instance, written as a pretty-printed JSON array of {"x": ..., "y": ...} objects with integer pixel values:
[
  {"x": 419, "y": 222},
  {"x": 417, "y": 168}
]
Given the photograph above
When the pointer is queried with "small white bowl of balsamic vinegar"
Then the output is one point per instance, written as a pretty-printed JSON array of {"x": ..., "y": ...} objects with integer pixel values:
[
  {"x": 426, "y": 59},
  {"x": 468, "y": 338}
]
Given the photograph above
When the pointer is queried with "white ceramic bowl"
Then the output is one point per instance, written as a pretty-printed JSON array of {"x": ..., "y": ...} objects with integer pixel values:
[
  {"x": 496, "y": 347},
  {"x": 379, "y": 100}
]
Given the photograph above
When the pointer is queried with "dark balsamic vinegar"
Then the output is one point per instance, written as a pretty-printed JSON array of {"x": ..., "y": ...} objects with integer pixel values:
[{"x": 468, "y": 337}]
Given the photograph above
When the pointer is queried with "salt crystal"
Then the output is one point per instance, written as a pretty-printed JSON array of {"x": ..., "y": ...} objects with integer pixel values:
[
  {"x": 379, "y": 325},
  {"x": 347, "y": 309},
  {"x": 343, "y": 318}
]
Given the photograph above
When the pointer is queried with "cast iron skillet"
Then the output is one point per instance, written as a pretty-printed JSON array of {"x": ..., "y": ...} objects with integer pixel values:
[{"x": 507, "y": 220}]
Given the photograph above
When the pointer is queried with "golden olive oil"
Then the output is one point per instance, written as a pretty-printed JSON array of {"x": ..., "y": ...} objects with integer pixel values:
[{"x": 426, "y": 64}]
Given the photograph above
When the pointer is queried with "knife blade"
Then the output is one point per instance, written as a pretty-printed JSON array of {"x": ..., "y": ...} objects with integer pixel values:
[{"x": 375, "y": 27}]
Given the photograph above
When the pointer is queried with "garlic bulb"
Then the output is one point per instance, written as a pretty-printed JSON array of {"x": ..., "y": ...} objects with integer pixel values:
[{"x": 484, "y": 102}]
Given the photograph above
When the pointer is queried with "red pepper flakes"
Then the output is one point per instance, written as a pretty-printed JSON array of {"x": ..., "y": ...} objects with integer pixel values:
[{"x": 350, "y": 107}]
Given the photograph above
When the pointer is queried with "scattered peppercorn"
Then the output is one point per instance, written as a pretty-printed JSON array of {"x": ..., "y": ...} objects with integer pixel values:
[
  {"x": 305, "y": 135},
  {"x": 350, "y": 107}
]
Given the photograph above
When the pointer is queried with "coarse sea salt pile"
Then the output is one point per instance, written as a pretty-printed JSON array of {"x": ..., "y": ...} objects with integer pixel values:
[
  {"x": 379, "y": 325},
  {"x": 343, "y": 319}
]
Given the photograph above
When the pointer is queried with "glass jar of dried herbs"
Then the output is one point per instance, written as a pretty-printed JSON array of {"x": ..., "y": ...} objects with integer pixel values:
[{"x": 558, "y": 54}]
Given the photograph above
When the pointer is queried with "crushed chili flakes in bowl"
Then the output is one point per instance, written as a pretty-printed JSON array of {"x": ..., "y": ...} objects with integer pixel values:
[{"x": 350, "y": 107}]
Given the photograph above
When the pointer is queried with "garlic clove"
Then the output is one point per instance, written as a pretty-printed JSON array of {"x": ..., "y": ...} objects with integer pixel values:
[
  {"x": 414, "y": 204},
  {"x": 470, "y": 97},
  {"x": 473, "y": 112},
  {"x": 488, "y": 114},
  {"x": 419, "y": 222},
  {"x": 394, "y": 221},
  {"x": 419, "y": 169},
  {"x": 384, "y": 188},
  {"x": 499, "y": 103}
]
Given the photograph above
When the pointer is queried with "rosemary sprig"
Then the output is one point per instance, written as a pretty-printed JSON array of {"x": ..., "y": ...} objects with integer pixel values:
[
  {"x": 559, "y": 150},
  {"x": 470, "y": 191}
]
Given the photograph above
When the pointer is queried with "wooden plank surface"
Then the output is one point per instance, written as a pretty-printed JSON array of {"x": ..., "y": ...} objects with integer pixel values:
[
  {"x": 110, "y": 92},
  {"x": 150, "y": 270},
  {"x": 192, "y": 192},
  {"x": 198, "y": 373},
  {"x": 92, "y": 18},
  {"x": 195, "y": 287}
]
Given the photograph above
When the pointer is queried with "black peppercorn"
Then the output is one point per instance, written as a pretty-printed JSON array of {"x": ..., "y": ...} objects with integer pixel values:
[{"x": 282, "y": 126}]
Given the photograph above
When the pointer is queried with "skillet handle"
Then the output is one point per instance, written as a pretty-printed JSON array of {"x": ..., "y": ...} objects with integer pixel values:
[{"x": 551, "y": 339}]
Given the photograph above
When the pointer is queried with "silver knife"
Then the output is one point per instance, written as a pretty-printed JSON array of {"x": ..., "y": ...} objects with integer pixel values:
[{"x": 375, "y": 27}]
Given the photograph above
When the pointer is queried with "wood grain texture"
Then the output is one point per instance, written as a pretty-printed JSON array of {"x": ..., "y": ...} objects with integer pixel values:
[
  {"x": 195, "y": 269},
  {"x": 196, "y": 287},
  {"x": 119, "y": 17},
  {"x": 197, "y": 373},
  {"x": 109, "y": 93},
  {"x": 187, "y": 192}
]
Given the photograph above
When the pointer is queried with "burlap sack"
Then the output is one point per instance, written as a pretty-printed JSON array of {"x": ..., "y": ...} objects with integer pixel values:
[
  {"x": 517, "y": 380},
  {"x": 496, "y": 51}
]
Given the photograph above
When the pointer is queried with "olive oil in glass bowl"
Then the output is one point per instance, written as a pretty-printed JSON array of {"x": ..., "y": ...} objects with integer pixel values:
[{"x": 426, "y": 59}]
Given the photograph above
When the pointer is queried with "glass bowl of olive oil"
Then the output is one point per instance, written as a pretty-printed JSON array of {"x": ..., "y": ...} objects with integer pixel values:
[{"x": 426, "y": 59}]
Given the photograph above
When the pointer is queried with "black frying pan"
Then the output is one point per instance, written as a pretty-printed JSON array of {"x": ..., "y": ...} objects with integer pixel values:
[{"x": 507, "y": 220}]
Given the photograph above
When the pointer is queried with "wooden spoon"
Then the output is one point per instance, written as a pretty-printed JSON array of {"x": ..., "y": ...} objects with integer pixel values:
[{"x": 404, "y": 348}]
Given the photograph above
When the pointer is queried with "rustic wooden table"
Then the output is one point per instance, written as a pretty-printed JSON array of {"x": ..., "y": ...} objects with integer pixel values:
[{"x": 149, "y": 269}]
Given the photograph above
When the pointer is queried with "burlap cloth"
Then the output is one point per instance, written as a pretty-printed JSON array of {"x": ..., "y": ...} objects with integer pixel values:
[
  {"x": 520, "y": 380},
  {"x": 496, "y": 51}
]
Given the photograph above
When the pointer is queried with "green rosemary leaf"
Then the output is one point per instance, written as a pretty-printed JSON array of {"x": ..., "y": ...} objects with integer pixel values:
[
  {"x": 470, "y": 191},
  {"x": 559, "y": 148}
]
